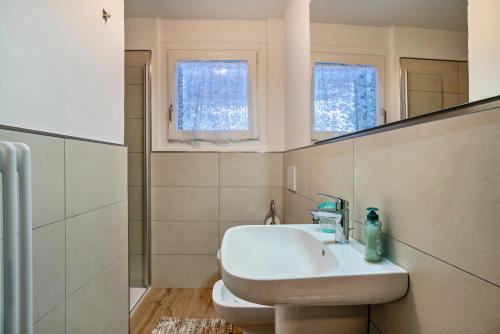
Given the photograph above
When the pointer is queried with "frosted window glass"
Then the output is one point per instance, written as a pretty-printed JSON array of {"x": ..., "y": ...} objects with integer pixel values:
[
  {"x": 345, "y": 97},
  {"x": 212, "y": 95}
]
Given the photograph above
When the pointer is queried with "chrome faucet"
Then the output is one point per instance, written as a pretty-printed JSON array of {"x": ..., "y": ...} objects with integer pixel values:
[
  {"x": 271, "y": 214},
  {"x": 342, "y": 227}
]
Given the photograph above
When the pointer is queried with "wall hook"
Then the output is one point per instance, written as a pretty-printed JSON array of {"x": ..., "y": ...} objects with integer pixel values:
[{"x": 106, "y": 15}]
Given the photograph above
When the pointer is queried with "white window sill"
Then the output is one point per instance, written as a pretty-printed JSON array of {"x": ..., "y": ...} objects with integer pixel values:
[{"x": 246, "y": 146}]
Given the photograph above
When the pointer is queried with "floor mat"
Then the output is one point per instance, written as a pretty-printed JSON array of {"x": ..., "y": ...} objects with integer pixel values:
[{"x": 192, "y": 326}]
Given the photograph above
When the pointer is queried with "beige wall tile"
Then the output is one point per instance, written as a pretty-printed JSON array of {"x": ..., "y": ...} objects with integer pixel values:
[
  {"x": 450, "y": 100},
  {"x": 184, "y": 271},
  {"x": 135, "y": 203},
  {"x": 136, "y": 237},
  {"x": 134, "y": 75},
  {"x": 137, "y": 57},
  {"x": 331, "y": 170},
  {"x": 48, "y": 268},
  {"x": 441, "y": 299},
  {"x": 287, "y": 212},
  {"x": 437, "y": 187},
  {"x": 185, "y": 237},
  {"x": 463, "y": 98},
  {"x": 185, "y": 169},
  {"x": 448, "y": 70},
  {"x": 372, "y": 329},
  {"x": 96, "y": 175},
  {"x": 135, "y": 169},
  {"x": 296, "y": 208},
  {"x": 251, "y": 169},
  {"x": 303, "y": 206},
  {"x": 299, "y": 159},
  {"x": 94, "y": 241},
  {"x": 134, "y": 101},
  {"x": 225, "y": 225},
  {"x": 134, "y": 135},
  {"x": 425, "y": 81},
  {"x": 248, "y": 204},
  {"x": 47, "y": 155},
  {"x": 420, "y": 103},
  {"x": 177, "y": 203},
  {"x": 93, "y": 308},
  {"x": 53, "y": 322},
  {"x": 357, "y": 232},
  {"x": 463, "y": 77},
  {"x": 119, "y": 322},
  {"x": 450, "y": 76},
  {"x": 136, "y": 270}
]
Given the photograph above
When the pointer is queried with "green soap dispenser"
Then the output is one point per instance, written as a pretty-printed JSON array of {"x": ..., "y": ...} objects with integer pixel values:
[{"x": 373, "y": 236}]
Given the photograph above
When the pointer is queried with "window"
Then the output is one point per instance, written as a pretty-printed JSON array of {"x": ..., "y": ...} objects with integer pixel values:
[
  {"x": 213, "y": 96},
  {"x": 346, "y": 95}
]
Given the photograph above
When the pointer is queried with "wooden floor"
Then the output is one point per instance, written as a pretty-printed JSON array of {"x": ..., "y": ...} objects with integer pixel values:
[{"x": 180, "y": 303}]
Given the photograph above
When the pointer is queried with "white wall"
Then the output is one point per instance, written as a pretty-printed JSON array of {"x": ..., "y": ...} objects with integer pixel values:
[
  {"x": 160, "y": 35},
  {"x": 297, "y": 74},
  {"x": 62, "y": 67},
  {"x": 484, "y": 48},
  {"x": 362, "y": 38}
]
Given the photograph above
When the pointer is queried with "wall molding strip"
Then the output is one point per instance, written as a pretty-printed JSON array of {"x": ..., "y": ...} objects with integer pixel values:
[{"x": 56, "y": 135}]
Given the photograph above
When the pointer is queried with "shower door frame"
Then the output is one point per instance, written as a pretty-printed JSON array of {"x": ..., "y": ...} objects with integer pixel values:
[{"x": 147, "y": 173}]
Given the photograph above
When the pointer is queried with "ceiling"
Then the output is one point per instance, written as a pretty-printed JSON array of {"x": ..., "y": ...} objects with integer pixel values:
[
  {"x": 433, "y": 14},
  {"x": 206, "y": 9}
]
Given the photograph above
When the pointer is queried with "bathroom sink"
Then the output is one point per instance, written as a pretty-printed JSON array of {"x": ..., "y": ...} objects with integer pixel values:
[{"x": 299, "y": 265}]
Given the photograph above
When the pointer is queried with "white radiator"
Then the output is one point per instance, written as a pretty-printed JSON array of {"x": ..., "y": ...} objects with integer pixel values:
[{"x": 17, "y": 262}]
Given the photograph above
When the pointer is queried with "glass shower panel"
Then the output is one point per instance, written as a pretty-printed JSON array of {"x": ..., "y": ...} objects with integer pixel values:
[
  {"x": 134, "y": 138},
  {"x": 425, "y": 92},
  {"x": 429, "y": 85},
  {"x": 137, "y": 91}
]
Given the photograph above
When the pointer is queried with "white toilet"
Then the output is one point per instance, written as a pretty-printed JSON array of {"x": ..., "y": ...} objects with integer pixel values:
[{"x": 251, "y": 318}]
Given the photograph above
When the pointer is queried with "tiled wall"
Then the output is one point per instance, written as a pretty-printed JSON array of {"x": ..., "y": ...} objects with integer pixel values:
[
  {"x": 438, "y": 187},
  {"x": 322, "y": 169},
  {"x": 196, "y": 197},
  {"x": 79, "y": 235}
]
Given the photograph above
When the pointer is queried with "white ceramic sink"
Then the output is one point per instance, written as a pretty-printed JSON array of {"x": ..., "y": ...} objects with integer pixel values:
[{"x": 299, "y": 265}]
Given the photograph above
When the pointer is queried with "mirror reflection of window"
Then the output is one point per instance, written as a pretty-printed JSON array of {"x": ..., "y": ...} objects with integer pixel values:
[
  {"x": 346, "y": 94},
  {"x": 345, "y": 97},
  {"x": 429, "y": 39}
]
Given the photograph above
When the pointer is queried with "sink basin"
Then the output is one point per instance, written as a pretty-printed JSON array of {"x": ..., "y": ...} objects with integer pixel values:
[{"x": 299, "y": 265}]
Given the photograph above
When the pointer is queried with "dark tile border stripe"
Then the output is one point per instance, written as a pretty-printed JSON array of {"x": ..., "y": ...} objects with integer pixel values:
[
  {"x": 56, "y": 135},
  {"x": 441, "y": 260}
]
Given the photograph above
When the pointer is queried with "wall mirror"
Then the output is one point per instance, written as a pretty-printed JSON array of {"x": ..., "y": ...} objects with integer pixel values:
[{"x": 376, "y": 62}]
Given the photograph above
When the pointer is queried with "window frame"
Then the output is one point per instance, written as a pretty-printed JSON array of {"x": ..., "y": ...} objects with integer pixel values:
[
  {"x": 378, "y": 61},
  {"x": 250, "y": 56}
]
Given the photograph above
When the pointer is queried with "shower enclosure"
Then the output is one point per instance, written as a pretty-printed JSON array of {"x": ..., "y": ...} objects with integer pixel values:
[
  {"x": 137, "y": 138},
  {"x": 429, "y": 85}
]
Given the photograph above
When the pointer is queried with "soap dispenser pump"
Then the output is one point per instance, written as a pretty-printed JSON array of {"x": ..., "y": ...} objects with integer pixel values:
[{"x": 373, "y": 236}]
